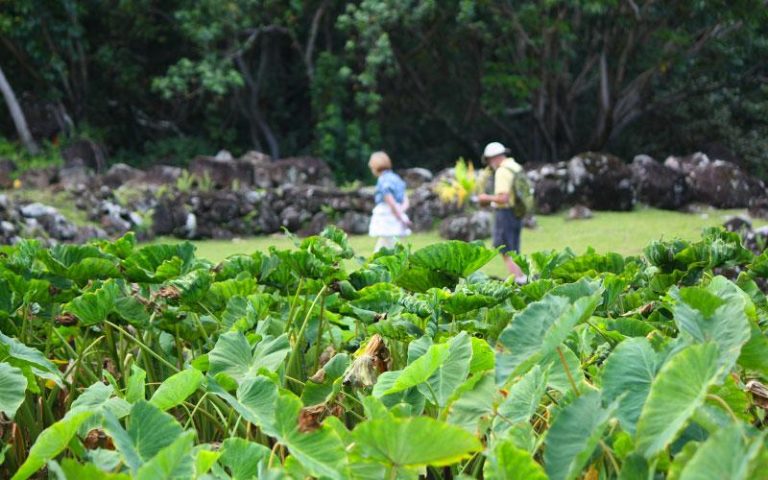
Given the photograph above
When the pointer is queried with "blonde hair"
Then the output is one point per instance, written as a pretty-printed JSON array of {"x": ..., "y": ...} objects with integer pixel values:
[{"x": 379, "y": 162}]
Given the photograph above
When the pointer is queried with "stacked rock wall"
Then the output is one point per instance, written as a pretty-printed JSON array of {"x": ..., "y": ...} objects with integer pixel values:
[{"x": 225, "y": 197}]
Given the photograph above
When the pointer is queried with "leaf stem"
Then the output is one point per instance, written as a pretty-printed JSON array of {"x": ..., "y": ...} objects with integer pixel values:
[
  {"x": 144, "y": 347},
  {"x": 568, "y": 371}
]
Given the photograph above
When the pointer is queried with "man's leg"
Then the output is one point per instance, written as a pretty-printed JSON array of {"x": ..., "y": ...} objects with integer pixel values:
[
  {"x": 506, "y": 233},
  {"x": 513, "y": 267}
]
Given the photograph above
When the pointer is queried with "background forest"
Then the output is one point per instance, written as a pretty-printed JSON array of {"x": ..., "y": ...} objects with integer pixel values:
[{"x": 161, "y": 81}]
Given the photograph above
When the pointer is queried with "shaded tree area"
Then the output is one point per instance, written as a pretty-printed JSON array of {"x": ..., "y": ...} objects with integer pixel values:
[{"x": 429, "y": 81}]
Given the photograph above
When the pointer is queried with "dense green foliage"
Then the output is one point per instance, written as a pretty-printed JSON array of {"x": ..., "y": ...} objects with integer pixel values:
[
  {"x": 121, "y": 361},
  {"x": 428, "y": 80}
]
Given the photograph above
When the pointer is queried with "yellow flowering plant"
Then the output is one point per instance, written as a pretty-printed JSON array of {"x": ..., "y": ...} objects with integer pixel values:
[{"x": 463, "y": 185}]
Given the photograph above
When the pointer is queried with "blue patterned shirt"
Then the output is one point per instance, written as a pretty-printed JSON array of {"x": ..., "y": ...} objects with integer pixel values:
[{"x": 389, "y": 183}]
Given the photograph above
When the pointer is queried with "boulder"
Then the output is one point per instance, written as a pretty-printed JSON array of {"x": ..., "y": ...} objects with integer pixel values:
[
  {"x": 38, "y": 178},
  {"x": 301, "y": 171},
  {"x": 58, "y": 227},
  {"x": 162, "y": 175},
  {"x": 658, "y": 185},
  {"x": 724, "y": 185},
  {"x": 292, "y": 218},
  {"x": 120, "y": 174},
  {"x": 416, "y": 177},
  {"x": 427, "y": 208},
  {"x": 114, "y": 219},
  {"x": 549, "y": 181},
  {"x": 756, "y": 240},
  {"x": 88, "y": 232},
  {"x": 738, "y": 224},
  {"x": 86, "y": 153},
  {"x": 579, "y": 212},
  {"x": 316, "y": 225},
  {"x": 600, "y": 181},
  {"x": 36, "y": 210},
  {"x": 256, "y": 167},
  {"x": 468, "y": 226},
  {"x": 267, "y": 221},
  {"x": 74, "y": 177},
  {"x": 354, "y": 223},
  {"x": 688, "y": 163},
  {"x": 549, "y": 195},
  {"x": 7, "y": 169},
  {"x": 170, "y": 216},
  {"x": 223, "y": 170},
  {"x": 759, "y": 208},
  {"x": 256, "y": 158}
]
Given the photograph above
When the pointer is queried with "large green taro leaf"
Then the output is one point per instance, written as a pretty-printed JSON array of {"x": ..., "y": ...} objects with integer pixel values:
[
  {"x": 574, "y": 435},
  {"x": 242, "y": 457},
  {"x": 321, "y": 452},
  {"x": 93, "y": 307},
  {"x": 474, "y": 403},
  {"x": 538, "y": 330},
  {"x": 711, "y": 314},
  {"x": 420, "y": 279},
  {"x": 18, "y": 354},
  {"x": 318, "y": 391},
  {"x": 454, "y": 258},
  {"x": 725, "y": 454},
  {"x": 627, "y": 377},
  {"x": 79, "y": 263},
  {"x": 590, "y": 264},
  {"x": 277, "y": 414},
  {"x": 177, "y": 388},
  {"x": 522, "y": 400},
  {"x": 52, "y": 441},
  {"x": 96, "y": 399},
  {"x": 437, "y": 373},
  {"x": 414, "y": 442},
  {"x": 508, "y": 462},
  {"x": 380, "y": 297},
  {"x": 13, "y": 385},
  {"x": 234, "y": 356},
  {"x": 31, "y": 361},
  {"x": 173, "y": 462},
  {"x": 192, "y": 286},
  {"x": 157, "y": 263},
  {"x": 678, "y": 390},
  {"x": 88, "y": 471},
  {"x": 440, "y": 265},
  {"x": 149, "y": 431},
  {"x": 460, "y": 302}
]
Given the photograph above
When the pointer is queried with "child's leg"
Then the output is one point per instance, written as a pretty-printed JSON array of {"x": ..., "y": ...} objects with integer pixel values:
[{"x": 384, "y": 242}]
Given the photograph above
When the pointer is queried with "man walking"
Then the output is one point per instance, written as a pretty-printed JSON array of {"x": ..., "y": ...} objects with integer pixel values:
[{"x": 507, "y": 224}]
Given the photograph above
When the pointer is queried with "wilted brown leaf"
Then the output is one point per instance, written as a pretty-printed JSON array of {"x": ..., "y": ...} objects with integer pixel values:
[{"x": 759, "y": 393}]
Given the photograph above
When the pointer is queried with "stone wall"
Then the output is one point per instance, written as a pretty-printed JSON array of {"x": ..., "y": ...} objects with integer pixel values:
[{"x": 224, "y": 197}]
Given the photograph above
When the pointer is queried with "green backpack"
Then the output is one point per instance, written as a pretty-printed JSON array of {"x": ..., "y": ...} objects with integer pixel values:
[{"x": 523, "y": 192}]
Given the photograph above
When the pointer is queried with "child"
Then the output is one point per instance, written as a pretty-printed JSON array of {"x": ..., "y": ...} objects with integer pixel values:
[{"x": 388, "y": 221}]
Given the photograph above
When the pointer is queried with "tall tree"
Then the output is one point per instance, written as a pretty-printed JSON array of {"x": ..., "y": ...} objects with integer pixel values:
[{"x": 17, "y": 115}]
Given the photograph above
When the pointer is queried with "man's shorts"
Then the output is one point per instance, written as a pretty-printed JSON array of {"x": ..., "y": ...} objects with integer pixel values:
[{"x": 506, "y": 230}]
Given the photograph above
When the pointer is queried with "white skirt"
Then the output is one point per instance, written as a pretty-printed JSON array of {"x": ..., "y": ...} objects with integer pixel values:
[{"x": 384, "y": 223}]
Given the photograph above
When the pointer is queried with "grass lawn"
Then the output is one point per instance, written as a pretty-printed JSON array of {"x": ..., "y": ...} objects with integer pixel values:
[{"x": 622, "y": 232}]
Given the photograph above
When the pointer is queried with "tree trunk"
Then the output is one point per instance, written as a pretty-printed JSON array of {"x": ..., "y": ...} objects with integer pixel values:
[{"x": 18, "y": 115}]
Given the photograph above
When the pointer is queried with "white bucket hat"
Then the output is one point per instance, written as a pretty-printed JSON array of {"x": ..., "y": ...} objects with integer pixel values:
[{"x": 493, "y": 149}]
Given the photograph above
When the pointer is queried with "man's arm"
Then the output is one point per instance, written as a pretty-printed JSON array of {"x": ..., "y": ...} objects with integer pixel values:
[{"x": 499, "y": 198}]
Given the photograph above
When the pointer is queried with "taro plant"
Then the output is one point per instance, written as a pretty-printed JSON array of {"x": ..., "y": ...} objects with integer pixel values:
[{"x": 123, "y": 361}]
